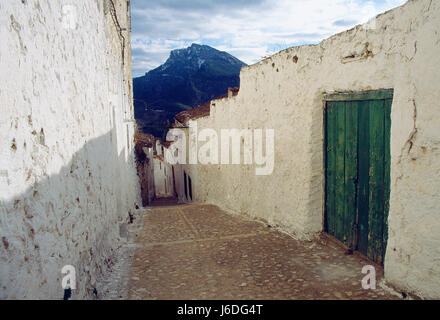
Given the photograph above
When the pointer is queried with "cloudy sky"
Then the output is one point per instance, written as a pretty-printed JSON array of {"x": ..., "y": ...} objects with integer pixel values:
[{"x": 247, "y": 29}]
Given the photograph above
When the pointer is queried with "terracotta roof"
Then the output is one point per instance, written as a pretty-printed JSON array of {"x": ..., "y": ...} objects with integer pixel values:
[
  {"x": 194, "y": 113},
  {"x": 204, "y": 109}
]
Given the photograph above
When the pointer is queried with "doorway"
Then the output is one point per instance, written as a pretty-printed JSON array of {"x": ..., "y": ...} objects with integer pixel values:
[{"x": 357, "y": 170}]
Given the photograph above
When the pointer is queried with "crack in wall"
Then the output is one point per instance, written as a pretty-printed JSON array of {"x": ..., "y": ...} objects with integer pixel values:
[{"x": 410, "y": 142}]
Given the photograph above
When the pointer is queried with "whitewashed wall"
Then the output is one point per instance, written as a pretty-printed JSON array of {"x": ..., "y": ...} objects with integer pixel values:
[
  {"x": 163, "y": 174},
  {"x": 67, "y": 175},
  {"x": 399, "y": 49},
  {"x": 149, "y": 173}
]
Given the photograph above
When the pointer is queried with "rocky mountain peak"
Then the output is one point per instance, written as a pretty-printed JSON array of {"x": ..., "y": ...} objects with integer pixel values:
[{"x": 189, "y": 77}]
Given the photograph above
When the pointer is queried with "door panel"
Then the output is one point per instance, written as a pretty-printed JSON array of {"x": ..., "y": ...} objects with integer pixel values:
[
  {"x": 363, "y": 176},
  {"x": 351, "y": 180},
  {"x": 340, "y": 172},
  {"x": 376, "y": 174},
  {"x": 330, "y": 164},
  {"x": 342, "y": 124}
]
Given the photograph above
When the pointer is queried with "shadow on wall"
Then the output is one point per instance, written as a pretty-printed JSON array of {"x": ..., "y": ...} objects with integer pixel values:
[
  {"x": 70, "y": 218},
  {"x": 144, "y": 144}
]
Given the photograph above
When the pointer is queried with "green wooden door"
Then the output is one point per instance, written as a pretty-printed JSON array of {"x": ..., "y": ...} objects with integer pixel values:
[{"x": 357, "y": 163}]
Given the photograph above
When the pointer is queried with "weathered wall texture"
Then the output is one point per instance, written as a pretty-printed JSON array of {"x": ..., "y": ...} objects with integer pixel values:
[
  {"x": 400, "y": 50},
  {"x": 163, "y": 173},
  {"x": 67, "y": 174},
  {"x": 144, "y": 145},
  {"x": 179, "y": 173}
]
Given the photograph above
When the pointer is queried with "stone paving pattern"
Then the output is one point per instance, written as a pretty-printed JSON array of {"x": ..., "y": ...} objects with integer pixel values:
[{"x": 197, "y": 251}]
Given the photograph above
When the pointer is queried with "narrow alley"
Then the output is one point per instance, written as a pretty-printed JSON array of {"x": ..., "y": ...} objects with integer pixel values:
[
  {"x": 144, "y": 159},
  {"x": 196, "y": 251}
]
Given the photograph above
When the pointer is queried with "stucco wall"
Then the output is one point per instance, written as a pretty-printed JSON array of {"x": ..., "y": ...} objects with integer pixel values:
[
  {"x": 163, "y": 173},
  {"x": 149, "y": 173},
  {"x": 144, "y": 153},
  {"x": 145, "y": 171},
  {"x": 399, "y": 49},
  {"x": 67, "y": 174},
  {"x": 180, "y": 184}
]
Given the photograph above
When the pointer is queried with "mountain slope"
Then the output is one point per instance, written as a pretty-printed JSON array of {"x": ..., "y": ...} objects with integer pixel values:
[{"x": 189, "y": 78}]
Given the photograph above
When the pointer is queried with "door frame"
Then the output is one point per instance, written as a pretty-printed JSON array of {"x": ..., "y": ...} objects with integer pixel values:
[{"x": 376, "y": 94}]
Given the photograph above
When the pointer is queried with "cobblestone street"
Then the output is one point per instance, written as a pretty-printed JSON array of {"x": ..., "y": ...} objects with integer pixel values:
[{"x": 198, "y": 251}]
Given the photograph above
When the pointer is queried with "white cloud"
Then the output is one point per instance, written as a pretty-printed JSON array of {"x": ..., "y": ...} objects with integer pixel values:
[{"x": 248, "y": 30}]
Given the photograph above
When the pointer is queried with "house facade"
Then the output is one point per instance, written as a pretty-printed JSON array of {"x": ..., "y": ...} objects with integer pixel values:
[{"x": 356, "y": 150}]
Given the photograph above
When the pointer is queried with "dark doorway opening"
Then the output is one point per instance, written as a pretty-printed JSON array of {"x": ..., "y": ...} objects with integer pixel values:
[
  {"x": 190, "y": 188},
  {"x": 184, "y": 182}
]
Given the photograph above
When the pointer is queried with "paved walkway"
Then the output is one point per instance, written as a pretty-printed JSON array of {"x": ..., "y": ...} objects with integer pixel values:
[{"x": 200, "y": 252}]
